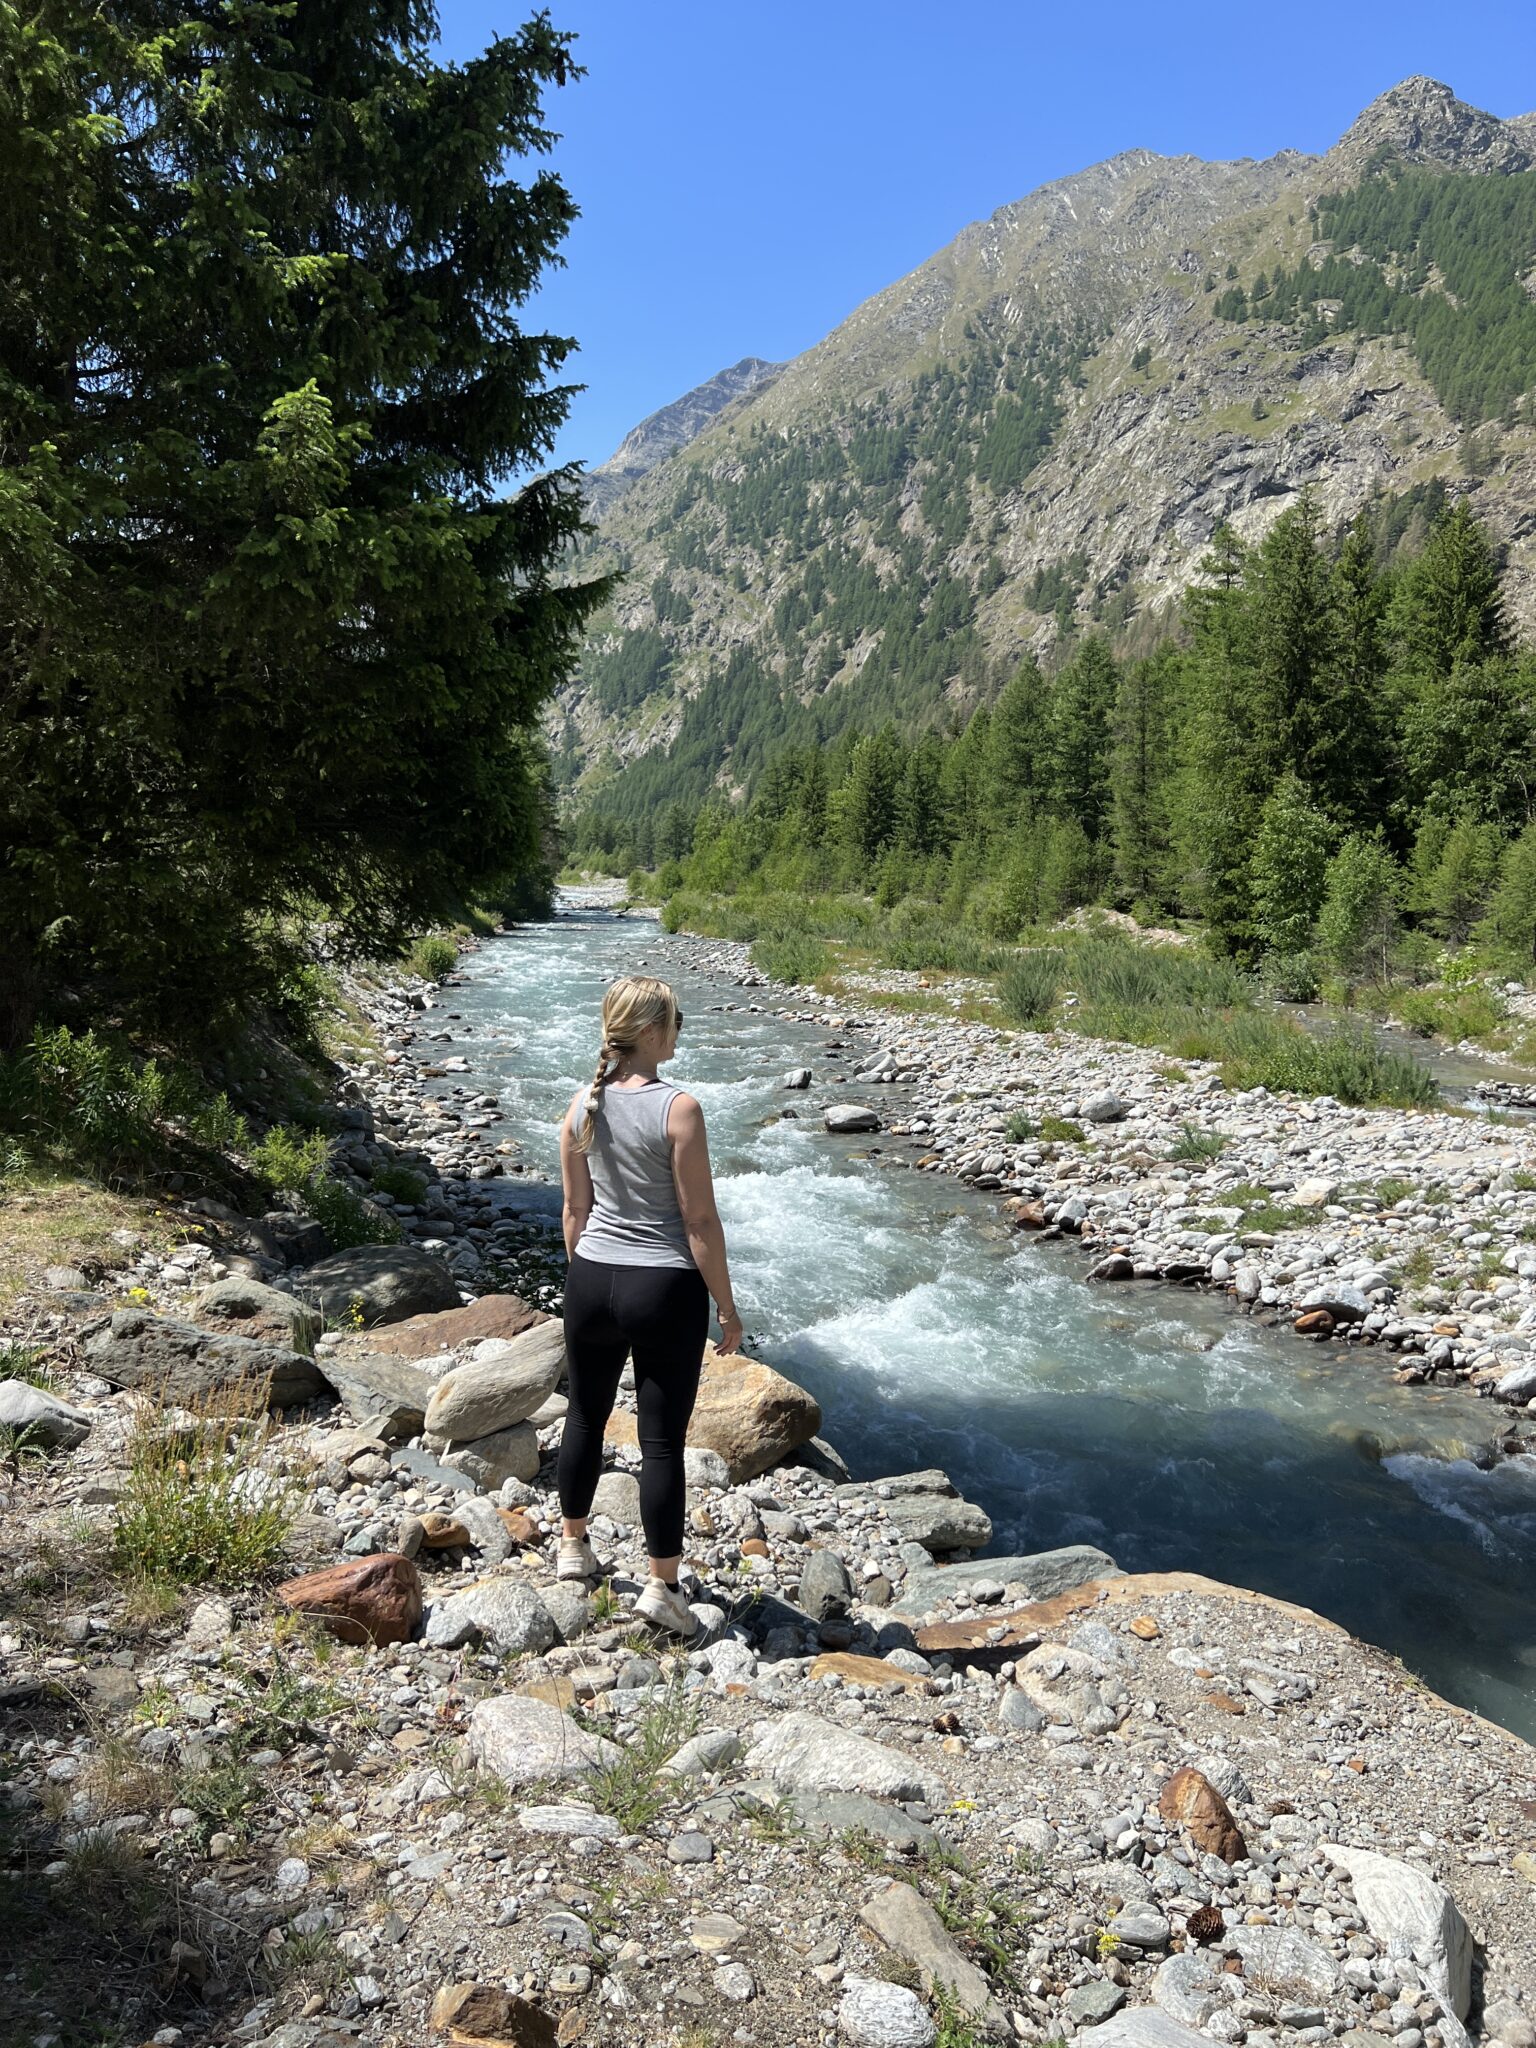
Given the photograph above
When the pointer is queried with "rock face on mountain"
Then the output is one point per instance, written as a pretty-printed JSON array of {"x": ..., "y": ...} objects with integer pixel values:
[
  {"x": 1038, "y": 429},
  {"x": 672, "y": 428}
]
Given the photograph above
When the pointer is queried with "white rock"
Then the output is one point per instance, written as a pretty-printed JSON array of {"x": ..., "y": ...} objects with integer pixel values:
[
  {"x": 1414, "y": 1916},
  {"x": 523, "y": 1741},
  {"x": 874, "y": 2014},
  {"x": 803, "y": 1753}
]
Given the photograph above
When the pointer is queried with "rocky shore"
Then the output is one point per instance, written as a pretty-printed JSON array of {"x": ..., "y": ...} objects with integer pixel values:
[{"x": 891, "y": 1793}]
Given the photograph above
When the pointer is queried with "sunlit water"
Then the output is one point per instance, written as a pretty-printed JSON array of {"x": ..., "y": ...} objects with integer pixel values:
[{"x": 1155, "y": 1424}]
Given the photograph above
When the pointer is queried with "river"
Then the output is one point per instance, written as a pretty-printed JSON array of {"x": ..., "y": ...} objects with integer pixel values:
[{"x": 1156, "y": 1424}]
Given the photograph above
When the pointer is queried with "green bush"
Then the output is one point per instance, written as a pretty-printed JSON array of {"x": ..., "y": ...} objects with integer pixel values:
[
  {"x": 85, "y": 1098},
  {"x": 1270, "y": 1052},
  {"x": 197, "y": 1504},
  {"x": 1030, "y": 985},
  {"x": 400, "y": 1184},
  {"x": 1196, "y": 1144},
  {"x": 791, "y": 956},
  {"x": 1473, "y": 1011},
  {"x": 1290, "y": 977},
  {"x": 432, "y": 957},
  {"x": 298, "y": 1163}
]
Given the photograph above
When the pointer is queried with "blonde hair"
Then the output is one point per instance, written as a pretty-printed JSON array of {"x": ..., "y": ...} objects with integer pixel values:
[{"x": 631, "y": 1006}]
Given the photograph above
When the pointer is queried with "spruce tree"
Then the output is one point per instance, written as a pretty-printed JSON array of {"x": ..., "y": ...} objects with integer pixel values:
[
  {"x": 1511, "y": 919},
  {"x": 1139, "y": 769},
  {"x": 1017, "y": 748},
  {"x": 1081, "y": 703},
  {"x": 272, "y": 640},
  {"x": 1447, "y": 608},
  {"x": 1289, "y": 869},
  {"x": 1463, "y": 878},
  {"x": 1293, "y": 647},
  {"x": 1360, "y": 919}
]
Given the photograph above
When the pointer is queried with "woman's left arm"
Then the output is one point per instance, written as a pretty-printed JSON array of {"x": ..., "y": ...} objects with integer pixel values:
[{"x": 576, "y": 1183}]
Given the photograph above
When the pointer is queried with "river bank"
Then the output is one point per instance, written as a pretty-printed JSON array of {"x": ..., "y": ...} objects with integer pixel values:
[{"x": 902, "y": 1795}]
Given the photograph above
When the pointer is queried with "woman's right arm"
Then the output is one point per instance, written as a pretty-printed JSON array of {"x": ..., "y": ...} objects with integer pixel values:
[
  {"x": 575, "y": 1180},
  {"x": 701, "y": 1219}
]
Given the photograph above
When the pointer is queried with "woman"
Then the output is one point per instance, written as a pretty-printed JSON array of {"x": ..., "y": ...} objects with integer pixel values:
[{"x": 646, "y": 1252}]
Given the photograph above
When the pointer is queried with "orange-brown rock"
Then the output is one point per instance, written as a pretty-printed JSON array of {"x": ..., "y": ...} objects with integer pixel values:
[
  {"x": 857, "y": 1670},
  {"x": 754, "y": 1546},
  {"x": 1145, "y": 1627},
  {"x": 442, "y": 1532},
  {"x": 493, "y": 1315},
  {"x": 365, "y": 1600},
  {"x": 1024, "y": 1214},
  {"x": 746, "y": 1411},
  {"x": 1192, "y": 1801},
  {"x": 1224, "y": 1702},
  {"x": 518, "y": 1526},
  {"x": 1018, "y": 1626},
  {"x": 487, "y": 2013},
  {"x": 1315, "y": 1323}
]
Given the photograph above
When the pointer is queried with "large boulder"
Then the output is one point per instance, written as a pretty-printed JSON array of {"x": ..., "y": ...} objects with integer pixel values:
[
  {"x": 365, "y": 1600},
  {"x": 746, "y": 1411},
  {"x": 379, "y": 1283},
  {"x": 526, "y": 1741},
  {"x": 851, "y": 1116},
  {"x": 1039, "y": 1575},
  {"x": 500, "y": 1613},
  {"x": 941, "y": 1522},
  {"x": 377, "y": 1388},
  {"x": 136, "y": 1349},
  {"x": 1407, "y": 1910},
  {"x": 493, "y": 1315},
  {"x": 501, "y": 1383},
  {"x": 490, "y": 1461},
  {"x": 802, "y": 1753},
  {"x": 41, "y": 1417},
  {"x": 247, "y": 1308},
  {"x": 1142, "y": 2026}
]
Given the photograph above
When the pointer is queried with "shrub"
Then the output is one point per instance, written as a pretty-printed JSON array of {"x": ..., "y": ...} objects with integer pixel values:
[
  {"x": 1269, "y": 1052},
  {"x": 1192, "y": 1143},
  {"x": 400, "y": 1184},
  {"x": 1058, "y": 1130},
  {"x": 1472, "y": 1011},
  {"x": 198, "y": 1505},
  {"x": 297, "y": 1163},
  {"x": 1290, "y": 977},
  {"x": 87, "y": 1098},
  {"x": 1030, "y": 985},
  {"x": 792, "y": 956},
  {"x": 432, "y": 957}
]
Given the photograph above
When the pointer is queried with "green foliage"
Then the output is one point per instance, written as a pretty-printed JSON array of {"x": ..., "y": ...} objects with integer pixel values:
[
  {"x": 1289, "y": 869},
  {"x": 85, "y": 1099},
  {"x": 1447, "y": 256},
  {"x": 792, "y": 956},
  {"x": 631, "y": 1787},
  {"x": 432, "y": 957},
  {"x": 1360, "y": 917},
  {"x": 297, "y": 1162},
  {"x": 198, "y": 1505},
  {"x": 1195, "y": 1144},
  {"x": 400, "y": 1184},
  {"x": 1511, "y": 919},
  {"x": 1030, "y": 985},
  {"x": 274, "y": 636},
  {"x": 1266, "y": 1052}
]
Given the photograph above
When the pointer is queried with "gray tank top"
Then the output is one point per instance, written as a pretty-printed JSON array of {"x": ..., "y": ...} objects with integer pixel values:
[{"x": 635, "y": 1219}]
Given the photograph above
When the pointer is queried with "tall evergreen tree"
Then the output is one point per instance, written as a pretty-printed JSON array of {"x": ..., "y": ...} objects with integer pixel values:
[
  {"x": 1289, "y": 869},
  {"x": 1293, "y": 648},
  {"x": 270, "y": 637},
  {"x": 1018, "y": 757},
  {"x": 1082, "y": 700},
  {"x": 1511, "y": 919},
  {"x": 1448, "y": 609},
  {"x": 1220, "y": 788},
  {"x": 1141, "y": 731}
]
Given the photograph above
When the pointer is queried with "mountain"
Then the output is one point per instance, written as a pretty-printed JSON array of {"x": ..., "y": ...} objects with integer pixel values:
[
  {"x": 663, "y": 433},
  {"x": 1040, "y": 428}
]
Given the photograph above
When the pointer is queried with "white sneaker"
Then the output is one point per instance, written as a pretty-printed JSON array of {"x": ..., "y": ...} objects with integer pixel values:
[
  {"x": 576, "y": 1559},
  {"x": 664, "y": 1607}
]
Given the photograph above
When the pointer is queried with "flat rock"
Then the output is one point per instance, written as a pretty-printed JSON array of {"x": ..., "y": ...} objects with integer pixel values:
[
  {"x": 843, "y": 1117},
  {"x": 802, "y": 1753},
  {"x": 502, "y": 1382},
  {"x": 1092, "y": 2003},
  {"x": 489, "y": 2012},
  {"x": 1343, "y": 1304},
  {"x": 379, "y": 1283},
  {"x": 836, "y": 1812},
  {"x": 493, "y": 1315},
  {"x": 1143, "y": 2026},
  {"x": 853, "y": 1669},
  {"x": 1191, "y": 1986},
  {"x": 248, "y": 1308},
  {"x": 364, "y": 1600},
  {"x": 570, "y": 1821},
  {"x": 373, "y": 1387},
  {"x": 1284, "y": 1955},
  {"x": 906, "y": 1923},
  {"x": 1039, "y": 1575},
  {"x": 42, "y": 1417},
  {"x": 523, "y": 1741},
  {"x": 133, "y": 1348},
  {"x": 752, "y": 1415},
  {"x": 1406, "y": 1908},
  {"x": 490, "y": 1461},
  {"x": 713, "y": 1749},
  {"x": 940, "y": 1522}
]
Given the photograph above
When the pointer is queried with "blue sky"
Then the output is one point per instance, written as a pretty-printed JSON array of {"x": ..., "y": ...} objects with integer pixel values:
[{"x": 748, "y": 174}]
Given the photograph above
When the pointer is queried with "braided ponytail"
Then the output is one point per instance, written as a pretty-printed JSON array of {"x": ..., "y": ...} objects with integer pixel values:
[
  {"x": 632, "y": 1006},
  {"x": 588, "y": 1129}
]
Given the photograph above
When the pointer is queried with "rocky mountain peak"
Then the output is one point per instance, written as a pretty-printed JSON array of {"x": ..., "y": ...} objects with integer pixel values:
[
  {"x": 673, "y": 427},
  {"x": 1422, "y": 121}
]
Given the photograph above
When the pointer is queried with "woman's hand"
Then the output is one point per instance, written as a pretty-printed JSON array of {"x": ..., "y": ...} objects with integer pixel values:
[{"x": 730, "y": 1333}]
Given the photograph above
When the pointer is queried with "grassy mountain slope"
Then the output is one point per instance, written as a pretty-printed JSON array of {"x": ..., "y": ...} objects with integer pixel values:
[{"x": 1041, "y": 427}]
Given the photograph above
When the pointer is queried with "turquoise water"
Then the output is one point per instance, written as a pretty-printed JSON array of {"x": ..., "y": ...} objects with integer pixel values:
[{"x": 1153, "y": 1423}]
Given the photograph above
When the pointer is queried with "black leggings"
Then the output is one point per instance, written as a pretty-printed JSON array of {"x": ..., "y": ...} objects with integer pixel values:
[{"x": 661, "y": 1314}]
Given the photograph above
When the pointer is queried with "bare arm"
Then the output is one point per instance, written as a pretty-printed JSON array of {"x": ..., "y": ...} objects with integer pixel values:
[
  {"x": 576, "y": 1181},
  {"x": 701, "y": 1219}
]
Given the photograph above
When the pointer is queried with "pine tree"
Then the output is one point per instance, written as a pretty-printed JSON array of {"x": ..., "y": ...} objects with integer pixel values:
[
  {"x": 1293, "y": 650},
  {"x": 1350, "y": 767},
  {"x": 271, "y": 640},
  {"x": 1289, "y": 869},
  {"x": 1082, "y": 699},
  {"x": 1463, "y": 878},
  {"x": 1448, "y": 609},
  {"x": 920, "y": 819},
  {"x": 1360, "y": 919},
  {"x": 1511, "y": 919},
  {"x": 1018, "y": 763},
  {"x": 1139, "y": 767}
]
